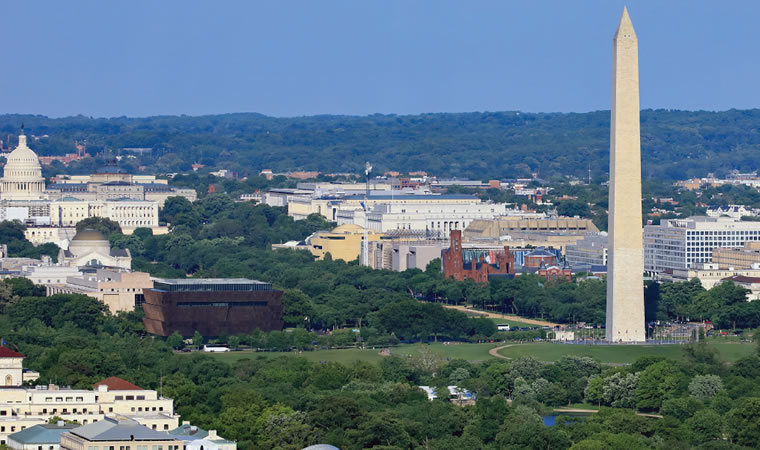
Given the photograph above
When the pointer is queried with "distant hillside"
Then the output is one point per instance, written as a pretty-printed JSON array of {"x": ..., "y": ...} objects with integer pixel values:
[{"x": 676, "y": 144}]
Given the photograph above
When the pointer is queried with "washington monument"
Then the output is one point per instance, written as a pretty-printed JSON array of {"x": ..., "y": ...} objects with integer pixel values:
[{"x": 625, "y": 283}]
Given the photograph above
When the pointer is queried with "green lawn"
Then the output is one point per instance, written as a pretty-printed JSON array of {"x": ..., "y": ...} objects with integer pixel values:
[
  {"x": 470, "y": 352},
  {"x": 617, "y": 353},
  {"x": 479, "y": 352}
]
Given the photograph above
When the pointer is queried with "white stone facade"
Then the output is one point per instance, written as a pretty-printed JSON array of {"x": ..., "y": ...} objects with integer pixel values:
[{"x": 437, "y": 218}]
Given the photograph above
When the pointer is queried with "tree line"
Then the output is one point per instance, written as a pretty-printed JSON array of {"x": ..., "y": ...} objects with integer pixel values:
[{"x": 675, "y": 144}]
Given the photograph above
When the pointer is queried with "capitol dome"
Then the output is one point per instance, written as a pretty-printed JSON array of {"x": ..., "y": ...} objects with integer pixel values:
[{"x": 22, "y": 177}]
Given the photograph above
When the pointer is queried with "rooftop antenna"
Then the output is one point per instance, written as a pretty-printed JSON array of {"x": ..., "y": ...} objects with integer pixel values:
[{"x": 365, "y": 243}]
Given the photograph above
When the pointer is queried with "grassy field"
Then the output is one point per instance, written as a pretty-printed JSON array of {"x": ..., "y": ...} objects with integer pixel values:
[
  {"x": 479, "y": 352},
  {"x": 470, "y": 352},
  {"x": 617, "y": 353}
]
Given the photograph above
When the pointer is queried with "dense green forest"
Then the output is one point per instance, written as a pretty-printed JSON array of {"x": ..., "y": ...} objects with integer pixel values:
[
  {"x": 287, "y": 402},
  {"x": 675, "y": 144}
]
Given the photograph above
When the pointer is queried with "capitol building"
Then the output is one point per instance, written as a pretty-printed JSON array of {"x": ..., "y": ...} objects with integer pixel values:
[
  {"x": 50, "y": 212},
  {"x": 22, "y": 178}
]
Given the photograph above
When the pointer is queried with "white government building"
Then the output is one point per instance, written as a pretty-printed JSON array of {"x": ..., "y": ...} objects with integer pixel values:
[
  {"x": 684, "y": 243},
  {"x": 131, "y": 201}
]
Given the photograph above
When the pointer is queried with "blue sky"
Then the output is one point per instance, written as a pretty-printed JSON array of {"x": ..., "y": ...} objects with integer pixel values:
[{"x": 291, "y": 58}]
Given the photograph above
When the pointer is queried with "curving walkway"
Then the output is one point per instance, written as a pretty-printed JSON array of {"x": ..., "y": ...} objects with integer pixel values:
[{"x": 495, "y": 351}]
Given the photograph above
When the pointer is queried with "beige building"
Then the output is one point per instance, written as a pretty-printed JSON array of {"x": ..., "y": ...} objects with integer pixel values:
[
  {"x": 709, "y": 274},
  {"x": 114, "y": 184},
  {"x": 130, "y": 214},
  {"x": 399, "y": 255},
  {"x": 121, "y": 433},
  {"x": 61, "y": 236},
  {"x": 300, "y": 206},
  {"x": 751, "y": 283},
  {"x": 745, "y": 257},
  {"x": 47, "y": 273},
  {"x": 24, "y": 407},
  {"x": 120, "y": 290},
  {"x": 11, "y": 367},
  {"x": 343, "y": 242},
  {"x": 505, "y": 226}
]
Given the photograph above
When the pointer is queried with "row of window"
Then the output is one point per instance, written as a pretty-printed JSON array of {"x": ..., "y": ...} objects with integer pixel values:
[{"x": 137, "y": 447}]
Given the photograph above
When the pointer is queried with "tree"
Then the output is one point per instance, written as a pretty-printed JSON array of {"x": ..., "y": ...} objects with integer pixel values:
[
  {"x": 102, "y": 224},
  {"x": 743, "y": 422},
  {"x": 233, "y": 342},
  {"x": 704, "y": 387},
  {"x": 572, "y": 208},
  {"x": 620, "y": 390},
  {"x": 656, "y": 384},
  {"x": 175, "y": 341},
  {"x": 594, "y": 392},
  {"x": 197, "y": 340},
  {"x": 458, "y": 376},
  {"x": 705, "y": 425}
]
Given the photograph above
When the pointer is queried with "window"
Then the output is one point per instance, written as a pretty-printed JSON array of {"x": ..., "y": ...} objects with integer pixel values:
[{"x": 119, "y": 397}]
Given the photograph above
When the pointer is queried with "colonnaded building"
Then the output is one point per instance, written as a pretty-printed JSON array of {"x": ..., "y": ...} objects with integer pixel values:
[{"x": 131, "y": 201}]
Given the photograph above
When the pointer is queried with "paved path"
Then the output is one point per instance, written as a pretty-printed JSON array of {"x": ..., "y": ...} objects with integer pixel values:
[
  {"x": 495, "y": 351},
  {"x": 500, "y": 316}
]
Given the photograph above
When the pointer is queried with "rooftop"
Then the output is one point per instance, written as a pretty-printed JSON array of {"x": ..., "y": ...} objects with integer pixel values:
[
  {"x": 119, "y": 430},
  {"x": 117, "y": 384},
  {"x": 42, "y": 434},
  {"x": 210, "y": 284},
  {"x": 5, "y": 352},
  {"x": 414, "y": 197}
]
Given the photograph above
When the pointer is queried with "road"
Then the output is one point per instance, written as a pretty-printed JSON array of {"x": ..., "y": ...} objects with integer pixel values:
[{"x": 500, "y": 316}]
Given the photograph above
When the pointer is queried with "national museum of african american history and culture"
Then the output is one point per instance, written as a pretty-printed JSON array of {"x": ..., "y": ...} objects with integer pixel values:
[{"x": 211, "y": 306}]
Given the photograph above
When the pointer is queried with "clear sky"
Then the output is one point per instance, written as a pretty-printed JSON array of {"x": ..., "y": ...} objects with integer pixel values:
[{"x": 290, "y": 58}]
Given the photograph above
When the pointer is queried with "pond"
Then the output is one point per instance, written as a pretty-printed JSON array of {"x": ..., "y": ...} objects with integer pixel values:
[{"x": 551, "y": 420}]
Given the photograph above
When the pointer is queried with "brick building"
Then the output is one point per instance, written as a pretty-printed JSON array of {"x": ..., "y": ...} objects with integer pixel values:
[{"x": 454, "y": 265}]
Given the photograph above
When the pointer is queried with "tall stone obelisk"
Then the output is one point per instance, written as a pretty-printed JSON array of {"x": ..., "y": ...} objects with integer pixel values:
[{"x": 625, "y": 266}]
